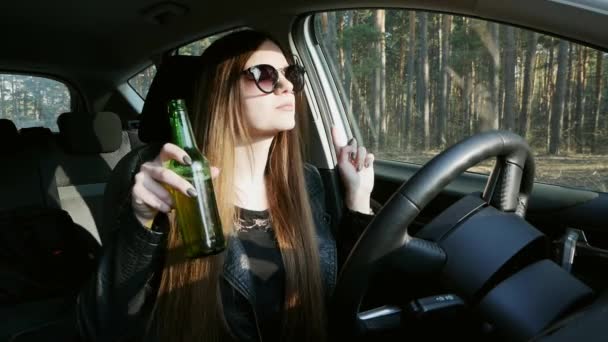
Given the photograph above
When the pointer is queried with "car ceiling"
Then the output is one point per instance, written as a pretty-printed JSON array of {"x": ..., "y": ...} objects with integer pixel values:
[{"x": 110, "y": 40}]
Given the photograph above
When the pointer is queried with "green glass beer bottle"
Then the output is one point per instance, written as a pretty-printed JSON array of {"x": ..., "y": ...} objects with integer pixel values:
[{"x": 198, "y": 218}]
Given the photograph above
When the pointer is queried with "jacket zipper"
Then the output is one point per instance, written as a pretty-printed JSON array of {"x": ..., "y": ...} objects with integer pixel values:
[{"x": 255, "y": 316}]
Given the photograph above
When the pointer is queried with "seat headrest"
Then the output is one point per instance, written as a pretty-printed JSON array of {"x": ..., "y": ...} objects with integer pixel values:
[
  {"x": 175, "y": 78},
  {"x": 8, "y": 132},
  {"x": 90, "y": 133}
]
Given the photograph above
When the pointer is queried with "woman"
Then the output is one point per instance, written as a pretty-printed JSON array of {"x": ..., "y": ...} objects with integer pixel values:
[{"x": 280, "y": 266}]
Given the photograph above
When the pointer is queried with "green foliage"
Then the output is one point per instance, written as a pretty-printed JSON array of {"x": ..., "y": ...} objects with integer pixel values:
[{"x": 362, "y": 38}]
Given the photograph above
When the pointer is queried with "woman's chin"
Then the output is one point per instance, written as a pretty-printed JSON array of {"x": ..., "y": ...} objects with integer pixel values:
[
  {"x": 283, "y": 129},
  {"x": 285, "y": 125},
  {"x": 270, "y": 132}
]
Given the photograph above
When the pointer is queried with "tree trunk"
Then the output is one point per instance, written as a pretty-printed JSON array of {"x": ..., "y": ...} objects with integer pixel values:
[
  {"x": 340, "y": 34},
  {"x": 474, "y": 111},
  {"x": 509, "y": 112},
  {"x": 598, "y": 100},
  {"x": 567, "y": 126},
  {"x": 376, "y": 93},
  {"x": 348, "y": 60},
  {"x": 558, "y": 98},
  {"x": 24, "y": 106},
  {"x": 434, "y": 49},
  {"x": 324, "y": 25},
  {"x": 398, "y": 86},
  {"x": 378, "y": 87},
  {"x": 580, "y": 98},
  {"x": 15, "y": 108},
  {"x": 423, "y": 82},
  {"x": 38, "y": 100},
  {"x": 528, "y": 87},
  {"x": 545, "y": 110},
  {"x": 332, "y": 34},
  {"x": 443, "y": 81},
  {"x": 381, "y": 27},
  {"x": 549, "y": 80},
  {"x": 468, "y": 116},
  {"x": 409, "y": 92},
  {"x": 490, "y": 120}
]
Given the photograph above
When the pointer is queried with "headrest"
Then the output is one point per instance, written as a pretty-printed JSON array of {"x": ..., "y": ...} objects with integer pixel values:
[
  {"x": 85, "y": 133},
  {"x": 176, "y": 78},
  {"x": 8, "y": 132}
]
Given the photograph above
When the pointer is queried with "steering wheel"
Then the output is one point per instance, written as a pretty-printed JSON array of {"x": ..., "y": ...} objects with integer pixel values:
[{"x": 387, "y": 236}]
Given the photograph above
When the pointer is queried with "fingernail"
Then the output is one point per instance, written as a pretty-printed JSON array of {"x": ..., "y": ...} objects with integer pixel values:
[
  {"x": 187, "y": 160},
  {"x": 367, "y": 164},
  {"x": 351, "y": 141},
  {"x": 352, "y": 155},
  {"x": 191, "y": 192}
]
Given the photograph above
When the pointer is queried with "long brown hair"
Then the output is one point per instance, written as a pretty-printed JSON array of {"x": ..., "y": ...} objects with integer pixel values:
[{"x": 189, "y": 306}]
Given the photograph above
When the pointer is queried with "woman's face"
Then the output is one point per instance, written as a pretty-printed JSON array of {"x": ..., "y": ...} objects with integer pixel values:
[{"x": 268, "y": 114}]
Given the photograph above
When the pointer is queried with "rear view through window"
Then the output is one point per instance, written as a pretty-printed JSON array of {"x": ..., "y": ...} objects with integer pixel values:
[{"x": 31, "y": 101}]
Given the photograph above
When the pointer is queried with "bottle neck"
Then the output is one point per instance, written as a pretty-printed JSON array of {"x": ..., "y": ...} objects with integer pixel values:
[{"x": 181, "y": 130}]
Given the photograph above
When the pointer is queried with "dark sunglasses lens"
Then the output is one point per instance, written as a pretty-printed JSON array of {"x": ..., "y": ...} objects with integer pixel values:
[
  {"x": 265, "y": 77},
  {"x": 295, "y": 75}
]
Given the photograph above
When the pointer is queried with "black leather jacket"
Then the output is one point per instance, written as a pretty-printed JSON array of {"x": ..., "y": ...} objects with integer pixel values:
[{"x": 116, "y": 304}]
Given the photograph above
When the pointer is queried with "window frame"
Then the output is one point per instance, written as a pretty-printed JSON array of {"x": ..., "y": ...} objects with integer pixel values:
[{"x": 328, "y": 109}]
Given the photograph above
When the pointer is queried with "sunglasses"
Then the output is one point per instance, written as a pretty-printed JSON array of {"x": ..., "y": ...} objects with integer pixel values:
[{"x": 266, "y": 77}]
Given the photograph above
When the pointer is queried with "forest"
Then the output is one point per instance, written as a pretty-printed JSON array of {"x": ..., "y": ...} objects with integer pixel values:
[
  {"x": 32, "y": 101},
  {"x": 416, "y": 82}
]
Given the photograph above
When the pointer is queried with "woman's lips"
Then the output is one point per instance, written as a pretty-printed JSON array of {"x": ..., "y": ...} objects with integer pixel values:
[{"x": 286, "y": 107}]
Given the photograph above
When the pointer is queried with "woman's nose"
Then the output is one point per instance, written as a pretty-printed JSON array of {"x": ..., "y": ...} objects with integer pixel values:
[{"x": 283, "y": 85}]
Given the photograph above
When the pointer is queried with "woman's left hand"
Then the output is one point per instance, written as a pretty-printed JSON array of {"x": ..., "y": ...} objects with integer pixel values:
[{"x": 356, "y": 167}]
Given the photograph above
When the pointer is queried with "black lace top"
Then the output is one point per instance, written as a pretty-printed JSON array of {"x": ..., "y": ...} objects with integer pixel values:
[{"x": 254, "y": 229}]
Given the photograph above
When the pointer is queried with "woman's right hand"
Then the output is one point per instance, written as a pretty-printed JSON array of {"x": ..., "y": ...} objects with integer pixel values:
[{"x": 148, "y": 195}]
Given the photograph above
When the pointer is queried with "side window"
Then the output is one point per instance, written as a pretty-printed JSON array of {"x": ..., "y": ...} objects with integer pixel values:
[
  {"x": 196, "y": 48},
  {"x": 418, "y": 82},
  {"x": 141, "y": 81},
  {"x": 31, "y": 101}
]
